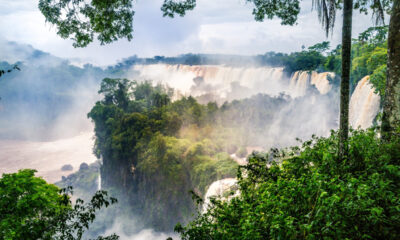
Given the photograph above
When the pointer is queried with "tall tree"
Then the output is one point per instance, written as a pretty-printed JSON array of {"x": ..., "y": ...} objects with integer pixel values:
[
  {"x": 391, "y": 106},
  {"x": 345, "y": 82}
]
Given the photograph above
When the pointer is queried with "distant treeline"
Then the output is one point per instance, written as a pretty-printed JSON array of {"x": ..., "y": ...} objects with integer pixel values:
[{"x": 368, "y": 58}]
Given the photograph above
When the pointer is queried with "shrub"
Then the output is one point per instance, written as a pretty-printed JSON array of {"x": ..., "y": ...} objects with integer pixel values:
[
  {"x": 309, "y": 194},
  {"x": 31, "y": 208}
]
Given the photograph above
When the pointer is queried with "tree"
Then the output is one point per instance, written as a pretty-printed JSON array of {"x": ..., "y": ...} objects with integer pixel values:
[
  {"x": 391, "y": 106},
  {"x": 345, "y": 82},
  {"x": 110, "y": 20},
  {"x": 320, "y": 47},
  {"x": 30, "y": 208},
  {"x": 116, "y": 91}
]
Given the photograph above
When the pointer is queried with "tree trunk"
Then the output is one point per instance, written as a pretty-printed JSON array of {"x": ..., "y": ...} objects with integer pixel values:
[
  {"x": 345, "y": 84},
  {"x": 391, "y": 104}
]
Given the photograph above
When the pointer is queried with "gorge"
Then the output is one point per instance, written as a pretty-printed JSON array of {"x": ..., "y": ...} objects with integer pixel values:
[
  {"x": 308, "y": 98},
  {"x": 254, "y": 108},
  {"x": 234, "y": 111}
]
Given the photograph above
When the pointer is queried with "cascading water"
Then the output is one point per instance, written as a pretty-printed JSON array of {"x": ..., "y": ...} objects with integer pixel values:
[
  {"x": 364, "y": 104},
  {"x": 221, "y": 82},
  {"x": 301, "y": 81},
  {"x": 321, "y": 81},
  {"x": 218, "y": 189},
  {"x": 231, "y": 83},
  {"x": 99, "y": 183}
]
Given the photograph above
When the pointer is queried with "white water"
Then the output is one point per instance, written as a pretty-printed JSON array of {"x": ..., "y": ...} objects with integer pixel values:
[
  {"x": 218, "y": 189},
  {"x": 321, "y": 81},
  {"x": 364, "y": 104},
  {"x": 99, "y": 183},
  {"x": 218, "y": 83},
  {"x": 47, "y": 157},
  {"x": 301, "y": 81}
]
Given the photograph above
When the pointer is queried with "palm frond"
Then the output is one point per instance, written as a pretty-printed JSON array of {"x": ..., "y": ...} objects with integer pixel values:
[
  {"x": 326, "y": 13},
  {"x": 378, "y": 12}
]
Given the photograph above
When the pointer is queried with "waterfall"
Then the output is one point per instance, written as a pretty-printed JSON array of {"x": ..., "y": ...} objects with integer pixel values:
[
  {"x": 220, "y": 82},
  {"x": 99, "y": 182},
  {"x": 321, "y": 81},
  {"x": 364, "y": 104},
  {"x": 301, "y": 81},
  {"x": 218, "y": 189},
  {"x": 231, "y": 83},
  {"x": 223, "y": 83}
]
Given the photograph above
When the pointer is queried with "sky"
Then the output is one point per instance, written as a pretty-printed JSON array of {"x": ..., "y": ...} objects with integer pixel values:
[{"x": 215, "y": 26}]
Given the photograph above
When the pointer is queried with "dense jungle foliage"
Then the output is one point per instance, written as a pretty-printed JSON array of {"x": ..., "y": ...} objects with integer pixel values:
[
  {"x": 369, "y": 57},
  {"x": 306, "y": 193},
  {"x": 143, "y": 155},
  {"x": 31, "y": 208},
  {"x": 155, "y": 150}
]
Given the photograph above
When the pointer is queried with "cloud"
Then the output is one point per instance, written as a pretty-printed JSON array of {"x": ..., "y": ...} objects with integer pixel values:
[{"x": 223, "y": 26}]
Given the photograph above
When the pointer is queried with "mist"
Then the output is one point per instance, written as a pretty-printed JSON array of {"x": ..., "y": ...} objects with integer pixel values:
[
  {"x": 309, "y": 100},
  {"x": 44, "y": 124},
  {"x": 43, "y": 108},
  {"x": 48, "y": 98}
]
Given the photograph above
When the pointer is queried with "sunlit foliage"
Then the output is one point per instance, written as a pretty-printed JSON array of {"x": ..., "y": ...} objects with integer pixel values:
[
  {"x": 306, "y": 194},
  {"x": 30, "y": 208}
]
